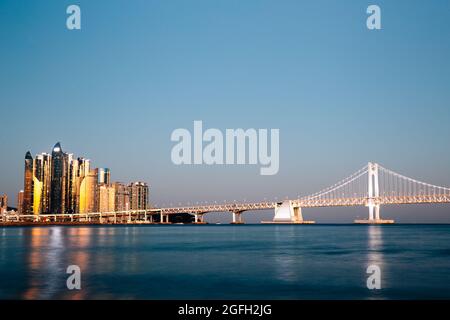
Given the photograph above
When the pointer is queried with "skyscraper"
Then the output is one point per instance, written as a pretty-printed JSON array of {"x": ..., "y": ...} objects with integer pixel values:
[
  {"x": 73, "y": 186},
  {"x": 27, "y": 205},
  {"x": 20, "y": 202},
  {"x": 138, "y": 195},
  {"x": 122, "y": 197},
  {"x": 80, "y": 170},
  {"x": 106, "y": 198},
  {"x": 58, "y": 180},
  {"x": 41, "y": 183},
  {"x": 88, "y": 191},
  {"x": 3, "y": 203},
  {"x": 104, "y": 176}
]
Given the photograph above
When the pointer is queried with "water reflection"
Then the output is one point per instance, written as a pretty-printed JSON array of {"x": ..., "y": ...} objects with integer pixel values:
[
  {"x": 375, "y": 255},
  {"x": 286, "y": 260},
  {"x": 49, "y": 251},
  {"x": 375, "y": 245}
]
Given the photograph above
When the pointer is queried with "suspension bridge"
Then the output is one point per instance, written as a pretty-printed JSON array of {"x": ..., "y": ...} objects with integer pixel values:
[{"x": 372, "y": 186}]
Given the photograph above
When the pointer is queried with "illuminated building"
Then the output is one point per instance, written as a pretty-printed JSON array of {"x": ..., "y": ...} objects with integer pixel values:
[
  {"x": 73, "y": 186},
  {"x": 41, "y": 183},
  {"x": 122, "y": 197},
  {"x": 104, "y": 176},
  {"x": 82, "y": 167},
  {"x": 106, "y": 198},
  {"x": 138, "y": 195},
  {"x": 58, "y": 180},
  {"x": 27, "y": 204},
  {"x": 67, "y": 193},
  {"x": 3, "y": 203},
  {"x": 88, "y": 190},
  {"x": 20, "y": 202}
]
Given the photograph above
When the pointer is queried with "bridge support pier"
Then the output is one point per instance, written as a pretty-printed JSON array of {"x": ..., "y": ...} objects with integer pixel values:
[
  {"x": 237, "y": 217},
  {"x": 199, "y": 218},
  {"x": 164, "y": 218},
  {"x": 287, "y": 212}
]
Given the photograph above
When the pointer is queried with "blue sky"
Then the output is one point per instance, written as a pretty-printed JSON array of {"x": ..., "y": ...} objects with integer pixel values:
[{"x": 340, "y": 94}]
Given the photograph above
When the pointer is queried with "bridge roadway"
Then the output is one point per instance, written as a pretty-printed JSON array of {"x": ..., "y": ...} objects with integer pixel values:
[{"x": 146, "y": 216}]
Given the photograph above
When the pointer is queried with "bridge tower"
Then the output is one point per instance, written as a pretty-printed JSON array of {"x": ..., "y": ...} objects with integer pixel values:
[
  {"x": 373, "y": 197},
  {"x": 373, "y": 192}
]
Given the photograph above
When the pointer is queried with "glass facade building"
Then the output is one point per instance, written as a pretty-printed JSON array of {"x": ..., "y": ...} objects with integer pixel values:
[
  {"x": 58, "y": 180},
  {"x": 27, "y": 205}
]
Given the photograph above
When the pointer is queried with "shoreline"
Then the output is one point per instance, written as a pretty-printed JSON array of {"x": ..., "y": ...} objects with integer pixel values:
[{"x": 96, "y": 224}]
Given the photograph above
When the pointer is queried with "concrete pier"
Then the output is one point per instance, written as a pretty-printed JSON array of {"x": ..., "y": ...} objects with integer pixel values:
[{"x": 375, "y": 221}]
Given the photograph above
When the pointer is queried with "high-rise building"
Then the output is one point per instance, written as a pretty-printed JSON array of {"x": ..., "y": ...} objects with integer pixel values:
[
  {"x": 67, "y": 183},
  {"x": 27, "y": 205},
  {"x": 20, "y": 197},
  {"x": 88, "y": 191},
  {"x": 80, "y": 170},
  {"x": 122, "y": 197},
  {"x": 104, "y": 176},
  {"x": 58, "y": 180},
  {"x": 41, "y": 183},
  {"x": 138, "y": 195},
  {"x": 73, "y": 186},
  {"x": 3, "y": 203},
  {"x": 106, "y": 198}
]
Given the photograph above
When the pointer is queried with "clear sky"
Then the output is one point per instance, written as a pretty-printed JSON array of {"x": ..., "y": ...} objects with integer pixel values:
[{"x": 340, "y": 94}]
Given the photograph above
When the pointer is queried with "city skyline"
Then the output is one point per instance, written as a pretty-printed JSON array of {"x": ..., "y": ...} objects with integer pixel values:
[
  {"x": 61, "y": 183},
  {"x": 340, "y": 94},
  {"x": 56, "y": 176}
]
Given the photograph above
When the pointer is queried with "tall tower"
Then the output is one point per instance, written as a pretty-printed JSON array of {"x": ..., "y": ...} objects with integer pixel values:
[
  {"x": 374, "y": 191},
  {"x": 3, "y": 203},
  {"x": 58, "y": 180},
  {"x": 373, "y": 197},
  {"x": 20, "y": 202},
  {"x": 27, "y": 205},
  {"x": 73, "y": 186},
  {"x": 41, "y": 181}
]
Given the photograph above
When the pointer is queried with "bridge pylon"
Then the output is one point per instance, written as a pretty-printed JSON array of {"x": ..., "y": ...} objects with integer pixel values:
[{"x": 373, "y": 197}]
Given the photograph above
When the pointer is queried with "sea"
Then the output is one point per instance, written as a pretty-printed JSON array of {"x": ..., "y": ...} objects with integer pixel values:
[{"x": 225, "y": 262}]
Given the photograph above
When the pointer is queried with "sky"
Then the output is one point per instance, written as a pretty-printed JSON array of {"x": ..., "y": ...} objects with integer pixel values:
[{"x": 340, "y": 94}]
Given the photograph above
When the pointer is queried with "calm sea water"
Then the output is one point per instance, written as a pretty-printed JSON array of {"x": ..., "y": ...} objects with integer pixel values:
[{"x": 226, "y": 262}]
